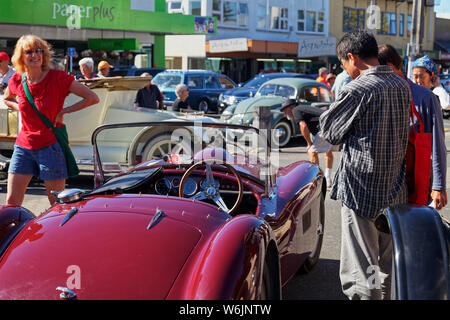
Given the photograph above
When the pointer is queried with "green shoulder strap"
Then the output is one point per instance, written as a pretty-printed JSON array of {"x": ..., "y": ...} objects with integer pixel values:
[{"x": 47, "y": 122}]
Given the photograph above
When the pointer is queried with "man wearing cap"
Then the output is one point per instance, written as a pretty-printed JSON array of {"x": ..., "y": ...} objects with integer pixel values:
[
  {"x": 103, "y": 69},
  {"x": 424, "y": 74},
  {"x": 149, "y": 96},
  {"x": 308, "y": 120},
  {"x": 429, "y": 110},
  {"x": 6, "y": 72}
]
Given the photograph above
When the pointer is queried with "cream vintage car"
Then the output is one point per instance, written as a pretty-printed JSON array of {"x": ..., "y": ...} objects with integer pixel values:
[{"x": 117, "y": 96}]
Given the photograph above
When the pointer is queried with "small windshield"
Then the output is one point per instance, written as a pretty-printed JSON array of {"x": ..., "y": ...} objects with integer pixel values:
[
  {"x": 278, "y": 90},
  {"x": 164, "y": 81},
  {"x": 121, "y": 147}
]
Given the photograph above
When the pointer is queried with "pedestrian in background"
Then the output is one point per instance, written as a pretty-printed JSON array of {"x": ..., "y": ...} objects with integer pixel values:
[
  {"x": 182, "y": 92},
  {"x": 87, "y": 69},
  {"x": 341, "y": 80},
  {"x": 427, "y": 105},
  {"x": 37, "y": 151},
  {"x": 103, "y": 69},
  {"x": 149, "y": 96},
  {"x": 371, "y": 119},
  {"x": 424, "y": 74},
  {"x": 308, "y": 119},
  {"x": 322, "y": 78},
  {"x": 6, "y": 72}
]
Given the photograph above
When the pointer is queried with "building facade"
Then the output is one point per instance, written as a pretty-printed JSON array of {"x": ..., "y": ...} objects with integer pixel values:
[
  {"x": 106, "y": 30},
  {"x": 254, "y": 36},
  {"x": 389, "y": 20},
  {"x": 289, "y": 35}
]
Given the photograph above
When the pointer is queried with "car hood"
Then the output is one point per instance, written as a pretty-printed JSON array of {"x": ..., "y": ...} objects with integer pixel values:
[
  {"x": 105, "y": 251},
  {"x": 241, "y": 92},
  {"x": 249, "y": 104}
]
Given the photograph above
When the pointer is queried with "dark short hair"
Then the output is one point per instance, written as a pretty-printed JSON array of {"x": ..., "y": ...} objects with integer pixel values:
[
  {"x": 357, "y": 42},
  {"x": 388, "y": 54}
]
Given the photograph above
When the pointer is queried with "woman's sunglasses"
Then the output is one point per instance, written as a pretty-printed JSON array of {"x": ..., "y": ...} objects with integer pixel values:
[{"x": 37, "y": 51}]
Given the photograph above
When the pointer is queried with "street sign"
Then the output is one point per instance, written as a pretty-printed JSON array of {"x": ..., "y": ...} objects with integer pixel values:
[{"x": 71, "y": 52}]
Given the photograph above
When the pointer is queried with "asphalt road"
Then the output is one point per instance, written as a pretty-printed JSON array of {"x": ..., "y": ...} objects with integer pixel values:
[{"x": 322, "y": 283}]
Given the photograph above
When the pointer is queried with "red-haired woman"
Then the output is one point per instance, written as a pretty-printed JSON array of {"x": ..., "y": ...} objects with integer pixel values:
[{"x": 37, "y": 151}]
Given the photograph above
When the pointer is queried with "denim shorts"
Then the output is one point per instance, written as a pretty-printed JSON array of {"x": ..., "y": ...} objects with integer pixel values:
[{"x": 47, "y": 163}]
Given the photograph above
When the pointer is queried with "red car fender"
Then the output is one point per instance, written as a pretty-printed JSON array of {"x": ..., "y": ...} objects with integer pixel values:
[{"x": 231, "y": 263}]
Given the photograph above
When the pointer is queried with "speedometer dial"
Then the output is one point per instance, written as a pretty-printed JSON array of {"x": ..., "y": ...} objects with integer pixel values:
[
  {"x": 162, "y": 186},
  {"x": 190, "y": 187}
]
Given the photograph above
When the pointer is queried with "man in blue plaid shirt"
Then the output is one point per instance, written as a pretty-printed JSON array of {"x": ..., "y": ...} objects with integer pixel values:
[{"x": 371, "y": 119}]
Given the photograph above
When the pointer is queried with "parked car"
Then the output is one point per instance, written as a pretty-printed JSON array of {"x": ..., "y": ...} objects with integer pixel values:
[
  {"x": 249, "y": 88},
  {"x": 132, "y": 71},
  {"x": 204, "y": 87},
  {"x": 117, "y": 96},
  {"x": 445, "y": 80},
  {"x": 209, "y": 227},
  {"x": 273, "y": 93}
]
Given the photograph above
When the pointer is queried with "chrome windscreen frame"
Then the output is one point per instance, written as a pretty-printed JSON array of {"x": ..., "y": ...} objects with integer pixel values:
[{"x": 99, "y": 176}]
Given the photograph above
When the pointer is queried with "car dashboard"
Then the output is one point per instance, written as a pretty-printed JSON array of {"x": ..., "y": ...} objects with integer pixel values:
[{"x": 166, "y": 182}]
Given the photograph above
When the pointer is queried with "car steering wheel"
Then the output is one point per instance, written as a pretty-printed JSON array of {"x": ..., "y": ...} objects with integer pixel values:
[{"x": 210, "y": 187}]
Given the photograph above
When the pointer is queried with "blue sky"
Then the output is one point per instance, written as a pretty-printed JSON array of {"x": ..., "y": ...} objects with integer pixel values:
[{"x": 443, "y": 7}]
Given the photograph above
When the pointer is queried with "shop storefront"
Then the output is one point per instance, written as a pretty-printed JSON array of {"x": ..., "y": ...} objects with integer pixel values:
[
  {"x": 242, "y": 58},
  {"x": 117, "y": 31}
]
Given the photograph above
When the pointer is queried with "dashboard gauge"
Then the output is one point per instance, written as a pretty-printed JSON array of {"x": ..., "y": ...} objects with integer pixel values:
[
  {"x": 190, "y": 187},
  {"x": 162, "y": 186},
  {"x": 176, "y": 183}
]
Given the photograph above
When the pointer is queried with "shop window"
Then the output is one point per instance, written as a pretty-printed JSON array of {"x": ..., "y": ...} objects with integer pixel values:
[
  {"x": 217, "y": 10},
  {"x": 196, "y": 63},
  {"x": 401, "y": 25},
  {"x": 279, "y": 18},
  {"x": 311, "y": 21},
  {"x": 353, "y": 19},
  {"x": 409, "y": 26},
  {"x": 261, "y": 16},
  {"x": 230, "y": 12},
  {"x": 300, "y": 20},
  {"x": 243, "y": 14},
  {"x": 388, "y": 23},
  {"x": 195, "y": 8},
  {"x": 174, "y": 7}
]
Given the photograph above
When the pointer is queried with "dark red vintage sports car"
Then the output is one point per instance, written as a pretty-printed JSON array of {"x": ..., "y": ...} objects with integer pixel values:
[{"x": 216, "y": 218}]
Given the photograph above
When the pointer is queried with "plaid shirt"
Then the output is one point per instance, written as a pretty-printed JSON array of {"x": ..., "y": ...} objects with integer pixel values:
[{"x": 371, "y": 119}]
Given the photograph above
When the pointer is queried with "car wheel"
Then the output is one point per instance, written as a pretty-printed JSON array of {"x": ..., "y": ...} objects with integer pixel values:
[
  {"x": 313, "y": 258},
  {"x": 203, "y": 106},
  {"x": 161, "y": 145},
  {"x": 285, "y": 134}
]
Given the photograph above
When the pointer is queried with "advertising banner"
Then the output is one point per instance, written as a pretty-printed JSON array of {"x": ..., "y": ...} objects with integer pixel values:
[{"x": 132, "y": 15}]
